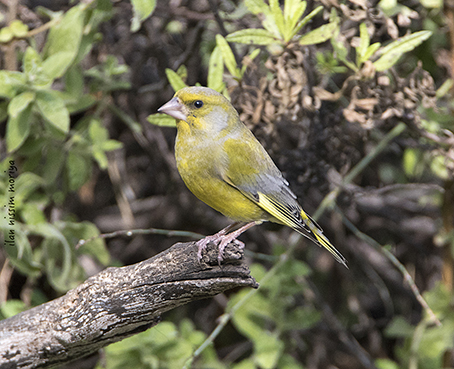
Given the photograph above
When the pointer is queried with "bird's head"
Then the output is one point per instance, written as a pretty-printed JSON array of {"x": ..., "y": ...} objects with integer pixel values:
[{"x": 200, "y": 108}]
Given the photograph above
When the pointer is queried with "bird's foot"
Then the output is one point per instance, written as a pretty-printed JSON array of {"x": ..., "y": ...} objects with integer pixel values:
[
  {"x": 215, "y": 238},
  {"x": 222, "y": 239}
]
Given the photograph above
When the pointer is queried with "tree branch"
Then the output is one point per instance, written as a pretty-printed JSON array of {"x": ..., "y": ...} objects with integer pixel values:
[{"x": 117, "y": 303}]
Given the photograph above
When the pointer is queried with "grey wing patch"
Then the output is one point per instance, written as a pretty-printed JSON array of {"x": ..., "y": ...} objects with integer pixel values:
[
  {"x": 270, "y": 184},
  {"x": 274, "y": 188}
]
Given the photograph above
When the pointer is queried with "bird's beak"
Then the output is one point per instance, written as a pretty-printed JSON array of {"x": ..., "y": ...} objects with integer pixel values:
[{"x": 174, "y": 108}]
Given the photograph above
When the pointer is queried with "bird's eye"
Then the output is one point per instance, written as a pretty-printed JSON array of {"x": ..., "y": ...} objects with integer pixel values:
[{"x": 198, "y": 104}]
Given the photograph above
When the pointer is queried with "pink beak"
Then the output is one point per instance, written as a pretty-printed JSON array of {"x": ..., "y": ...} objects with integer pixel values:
[{"x": 174, "y": 108}]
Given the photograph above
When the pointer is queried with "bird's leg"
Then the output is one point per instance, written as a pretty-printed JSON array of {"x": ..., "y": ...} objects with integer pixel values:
[
  {"x": 216, "y": 238},
  {"x": 227, "y": 238}
]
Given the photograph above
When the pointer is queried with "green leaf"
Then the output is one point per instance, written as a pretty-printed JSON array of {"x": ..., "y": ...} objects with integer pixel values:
[
  {"x": 386, "y": 364},
  {"x": 18, "y": 129},
  {"x": 175, "y": 80},
  {"x": 31, "y": 213},
  {"x": 32, "y": 63},
  {"x": 341, "y": 51},
  {"x": 6, "y": 35},
  {"x": 97, "y": 132},
  {"x": 142, "y": 9},
  {"x": 363, "y": 43},
  {"x": 392, "y": 52},
  {"x": 74, "y": 82},
  {"x": 293, "y": 11},
  {"x": 256, "y": 6},
  {"x": 66, "y": 34},
  {"x": 18, "y": 29},
  {"x": 253, "y": 36},
  {"x": 57, "y": 64},
  {"x": 19, "y": 103},
  {"x": 162, "y": 120},
  {"x": 182, "y": 71},
  {"x": 442, "y": 91},
  {"x": 26, "y": 184},
  {"x": 20, "y": 253},
  {"x": 364, "y": 51},
  {"x": 216, "y": 71},
  {"x": 439, "y": 166},
  {"x": 250, "y": 318},
  {"x": 227, "y": 56},
  {"x": 78, "y": 170},
  {"x": 399, "y": 328},
  {"x": 74, "y": 97},
  {"x": 83, "y": 103},
  {"x": 12, "y": 307},
  {"x": 267, "y": 350},
  {"x": 371, "y": 51},
  {"x": 63, "y": 42},
  {"x": 58, "y": 255},
  {"x": 435, "y": 4},
  {"x": 100, "y": 156},
  {"x": 248, "y": 59},
  {"x": 320, "y": 34},
  {"x": 278, "y": 17},
  {"x": 439, "y": 298},
  {"x": 306, "y": 19},
  {"x": 436, "y": 340},
  {"x": 254, "y": 54},
  {"x": 11, "y": 83},
  {"x": 53, "y": 109},
  {"x": 111, "y": 145},
  {"x": 33, "y": 68},
  {"x": 86, "y": 45},
  {"x": 269, "y": 23},
  {"x": 412, "y": 161},
  {"x": 86, "y": 230},
  {"x": 54, "y": 161}
]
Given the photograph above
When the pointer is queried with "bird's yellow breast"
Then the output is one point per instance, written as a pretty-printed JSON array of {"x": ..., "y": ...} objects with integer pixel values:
[{"x": 199, "y": 161}]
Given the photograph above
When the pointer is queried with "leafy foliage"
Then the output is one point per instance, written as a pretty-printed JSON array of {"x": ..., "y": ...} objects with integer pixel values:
[{"x": 57, "y": 158}]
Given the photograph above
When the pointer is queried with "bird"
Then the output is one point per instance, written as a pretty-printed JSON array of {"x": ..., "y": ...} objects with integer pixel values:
[{"x": 224, "y": 165}]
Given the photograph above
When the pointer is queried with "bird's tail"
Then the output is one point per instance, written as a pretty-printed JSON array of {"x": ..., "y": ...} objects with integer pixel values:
[
  {"x": 317, "y": 236},
  {"x": 293, "y": 216}
]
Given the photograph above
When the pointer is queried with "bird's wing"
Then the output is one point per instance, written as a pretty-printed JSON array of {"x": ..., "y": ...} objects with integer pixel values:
[
  {"x": 250, "y": 170},
  {"x": 254, "y": 174}
]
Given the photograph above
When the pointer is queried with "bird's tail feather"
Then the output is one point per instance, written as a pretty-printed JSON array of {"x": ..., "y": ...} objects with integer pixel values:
[
  {"x": 296, "y": 218},
  {"x": 317, "y": 236}
]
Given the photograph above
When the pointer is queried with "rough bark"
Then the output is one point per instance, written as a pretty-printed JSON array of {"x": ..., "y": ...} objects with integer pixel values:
[{"x": 117, "y": 303}]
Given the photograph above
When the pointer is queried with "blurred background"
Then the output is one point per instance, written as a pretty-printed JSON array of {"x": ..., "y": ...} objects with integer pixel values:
[{"x": 351, "y": 98}]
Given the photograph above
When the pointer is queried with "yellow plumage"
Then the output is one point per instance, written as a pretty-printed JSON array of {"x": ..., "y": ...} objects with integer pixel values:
[{"x": 225, "y": 166}]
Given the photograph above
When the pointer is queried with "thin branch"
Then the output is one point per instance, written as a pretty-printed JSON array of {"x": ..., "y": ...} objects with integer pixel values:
[
  {"x": 342, "y": 334},
  {"x": 44, "y": 27},
  {"x": 136, "y": 232},
  {"x": 396, "y": 263}
]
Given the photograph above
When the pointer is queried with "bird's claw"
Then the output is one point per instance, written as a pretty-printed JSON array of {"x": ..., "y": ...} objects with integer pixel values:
[
  {"x": 222, "y": 240},
  {"x": 223, "y": 244}
]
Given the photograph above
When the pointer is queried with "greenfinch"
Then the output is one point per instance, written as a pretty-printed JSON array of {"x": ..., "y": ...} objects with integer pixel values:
[{"x": 225, "y": 166}]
